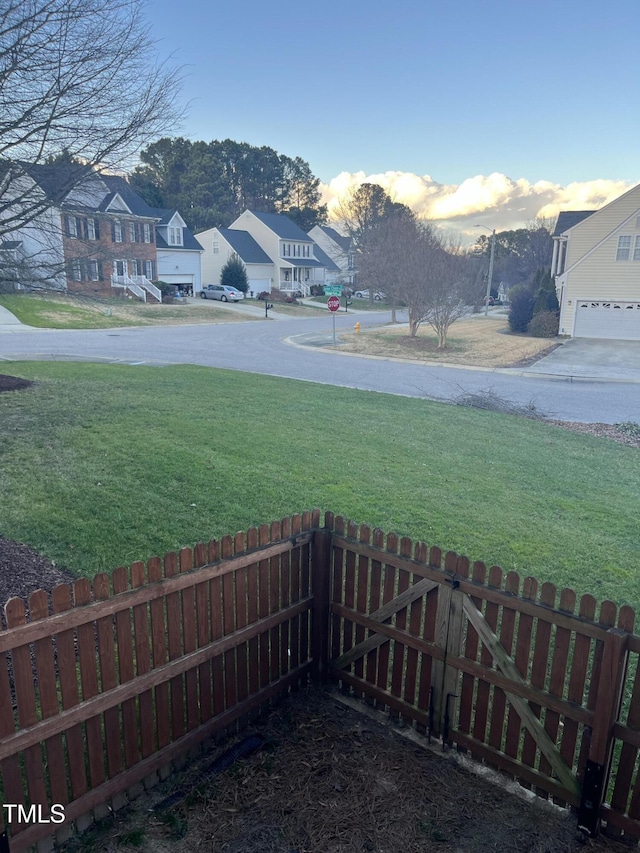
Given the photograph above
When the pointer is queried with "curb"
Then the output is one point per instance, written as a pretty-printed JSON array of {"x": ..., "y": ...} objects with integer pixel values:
[{"x": 509, "y": 371}]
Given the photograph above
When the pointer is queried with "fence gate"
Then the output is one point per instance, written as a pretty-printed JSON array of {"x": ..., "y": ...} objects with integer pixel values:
[{"x": 496, "y": 666}]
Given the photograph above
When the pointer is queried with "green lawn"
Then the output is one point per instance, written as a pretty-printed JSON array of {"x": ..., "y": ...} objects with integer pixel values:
[
  {"x": 103, "y": 464},
  {"x": 65, "y": 311}
]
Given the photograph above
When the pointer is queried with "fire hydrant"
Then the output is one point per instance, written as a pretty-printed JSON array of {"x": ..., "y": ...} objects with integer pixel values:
[{"x": 357, "y": 328}]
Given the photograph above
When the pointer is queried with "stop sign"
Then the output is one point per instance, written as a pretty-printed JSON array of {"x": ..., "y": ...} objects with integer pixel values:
[{"x": 333, "y": 303}]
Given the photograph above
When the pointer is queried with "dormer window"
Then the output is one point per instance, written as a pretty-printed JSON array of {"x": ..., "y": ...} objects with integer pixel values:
[{"x": 175, "y": 236}]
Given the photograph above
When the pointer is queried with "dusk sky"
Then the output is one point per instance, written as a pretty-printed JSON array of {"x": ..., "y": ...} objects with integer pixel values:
[{"x": 491, "y": 112}]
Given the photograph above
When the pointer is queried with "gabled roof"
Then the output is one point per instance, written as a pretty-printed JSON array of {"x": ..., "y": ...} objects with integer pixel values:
[
  {"x": 568, "y": 218},
  {"x": 340, "y": 239},
  {"x": 129, "y": 196},
  {"x": 282, "y": 226},
  {"x": 113, "y": 201},
  {"x": 188, "y": 242},
  {"x": 56, "y": 180},
  {"x": 324, "y": 259},
  {"x": 245, "y": 246}
]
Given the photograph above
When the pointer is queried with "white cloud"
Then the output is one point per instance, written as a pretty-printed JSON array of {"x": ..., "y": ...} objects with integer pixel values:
[{"x": 495, "y": 200}]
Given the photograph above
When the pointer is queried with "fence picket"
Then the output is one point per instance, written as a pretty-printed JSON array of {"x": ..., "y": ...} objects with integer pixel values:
[
  {"x": 507, "y": 626},
  {"x": 68, "y": 674},
  {"x": 174, "y": 636},
  {"x": 143, "y": 663},
  {"x": 160, "y": 652},
  {"x": 124, "y": 638},
  {"x": 23, "y": 677},
  {"x": 48, "y": 696},
  {"x": 388, "y": 592}
]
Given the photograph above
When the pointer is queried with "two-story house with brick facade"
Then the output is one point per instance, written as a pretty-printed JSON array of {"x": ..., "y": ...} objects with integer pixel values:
[{"x": 101, "y": 238}]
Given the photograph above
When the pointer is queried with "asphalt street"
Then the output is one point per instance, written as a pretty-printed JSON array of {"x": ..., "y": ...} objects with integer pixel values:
[{"x": 292, "y": 347}]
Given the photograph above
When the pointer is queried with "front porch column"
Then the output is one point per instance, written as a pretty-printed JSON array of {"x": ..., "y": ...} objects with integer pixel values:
[{"x": 554, "y": 258}]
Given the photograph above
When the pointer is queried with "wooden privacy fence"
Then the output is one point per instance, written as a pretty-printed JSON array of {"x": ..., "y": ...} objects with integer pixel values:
[{"x": 109, "y": 683}]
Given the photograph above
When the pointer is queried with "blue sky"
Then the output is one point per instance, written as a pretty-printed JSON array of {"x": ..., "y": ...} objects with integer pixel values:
[{"x": 542, "y": 94}]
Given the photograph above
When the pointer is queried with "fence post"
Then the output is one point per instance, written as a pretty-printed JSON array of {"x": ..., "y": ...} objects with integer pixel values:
[
  {"x": 320, "y": 582},
  {"x": 608, "y": 700},
  {"x": 449, "y": 627}
]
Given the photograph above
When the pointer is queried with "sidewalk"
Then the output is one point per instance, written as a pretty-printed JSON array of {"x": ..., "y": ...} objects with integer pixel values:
[{"x": 10, "y": 323}]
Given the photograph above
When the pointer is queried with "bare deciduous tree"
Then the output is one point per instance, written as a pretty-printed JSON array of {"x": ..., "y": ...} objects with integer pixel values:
[
  {"x": 79, "y": 76},
  {"x": 420, "y": 270}
]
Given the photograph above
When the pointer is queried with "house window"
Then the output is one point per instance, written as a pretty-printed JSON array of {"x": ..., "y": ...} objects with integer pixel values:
[
  {"x": 117, "y": 231},
  {"x": 175, "y": 236},
  {"x": 624, "y": 249},
  {"x": 132, "y": 232},
  {"x": 92, "y": 230},
  {"x": 120, "y": 268},
  {"x": 93, "y": 270},
  {"x": 636, "y": 250},
  {"x": 75, "y": 270},
  {"x": 148, "y": 269},
  {"x": 146, "y": 232},
  {"x": 72, "y": 226},
  {"x": 216, "y": 247}
]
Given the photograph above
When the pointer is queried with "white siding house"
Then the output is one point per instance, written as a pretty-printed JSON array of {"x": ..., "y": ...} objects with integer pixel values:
[
  {"x": 596, "y": 264},
  {"x": 276, "y": 253},
  {"x": 295, "y": 267},
  {"x": 179, "y": 253},
  {"x": 220, "y": 244},
  {"x": 340, "y": 250}
]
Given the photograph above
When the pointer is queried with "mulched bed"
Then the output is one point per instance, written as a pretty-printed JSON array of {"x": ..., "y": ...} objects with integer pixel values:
[
  {"x": 331, "y": 780},
  {"x": 23, "y": 570},
  {"x": 12, "y": 383}
]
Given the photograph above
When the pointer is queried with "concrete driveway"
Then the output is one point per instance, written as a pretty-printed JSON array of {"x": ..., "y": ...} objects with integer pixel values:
[{"x": 592, "y": 358}]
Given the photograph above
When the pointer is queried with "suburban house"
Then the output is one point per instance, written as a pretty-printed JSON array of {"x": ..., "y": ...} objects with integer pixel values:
[
  {"x": 220, "y": 244},
  {"x": 286, "y": 259},
  {"x": 340, "y": 249},
  {"x": 101, "y": 238},
  {"x": 179, "y": 253},
  {"x": 596, "y": 265}
]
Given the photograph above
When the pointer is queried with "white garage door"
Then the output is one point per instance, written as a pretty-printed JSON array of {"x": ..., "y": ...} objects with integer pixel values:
[
  {"x": 258, "y": 285},
  {"x": 615, "y": 320}
]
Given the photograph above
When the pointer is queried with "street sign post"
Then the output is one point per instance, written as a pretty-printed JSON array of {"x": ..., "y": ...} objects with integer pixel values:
[{"x": 333, "y": 303}]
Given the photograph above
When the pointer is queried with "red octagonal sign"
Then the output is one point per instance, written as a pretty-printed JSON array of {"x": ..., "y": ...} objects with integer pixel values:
[{"x": 333, "y": 303}]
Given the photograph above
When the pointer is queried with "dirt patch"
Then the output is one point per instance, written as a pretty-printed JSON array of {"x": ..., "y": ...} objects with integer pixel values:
[
  {"x": 331, "y": 780},
  {"x": 477, "y": 341}
]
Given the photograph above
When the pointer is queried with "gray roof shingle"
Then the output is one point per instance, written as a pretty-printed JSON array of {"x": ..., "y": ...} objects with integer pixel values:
[
  {"x": 245, "y": 246},
  {"x": 340, "y": 239},
  {"x": 324, "y": 259},
  {"x": 568, "y": 218},
  {"x": 282, "y": 226}
]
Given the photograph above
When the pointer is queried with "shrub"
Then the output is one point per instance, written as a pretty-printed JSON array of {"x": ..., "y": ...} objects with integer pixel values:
[
  {"x": 522, "y": 302},
  {"x": 168, "y": 291},
  {"x": 234, "y": 274},
  {"x": 544, "y": 324},
  {"x": 317, "y": 290}
]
